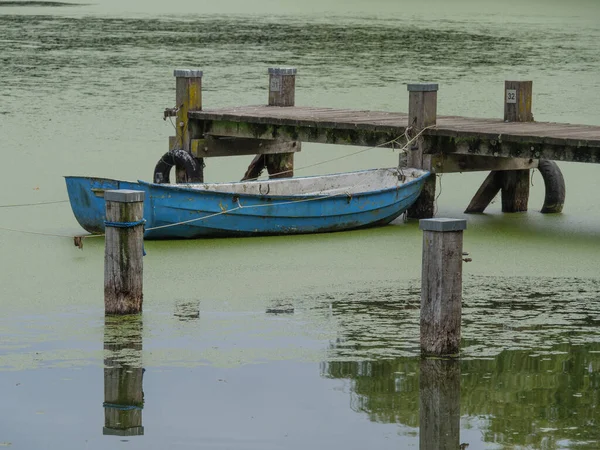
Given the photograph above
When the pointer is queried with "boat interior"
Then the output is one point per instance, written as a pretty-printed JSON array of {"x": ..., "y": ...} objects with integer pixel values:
[{"x": 342, "y": 183}]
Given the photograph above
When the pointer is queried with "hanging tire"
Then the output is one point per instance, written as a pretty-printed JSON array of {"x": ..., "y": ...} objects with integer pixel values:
[
  {"x": 182, "y": 160},
  {"x": 554, "y": 182}
]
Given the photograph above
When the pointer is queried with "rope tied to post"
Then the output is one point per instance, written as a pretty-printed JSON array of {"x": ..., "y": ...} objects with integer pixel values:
[
  {"x": 108, "y": 223},
  {"x": 121, "y": 407},
  {"x": 124, "y": 224}
]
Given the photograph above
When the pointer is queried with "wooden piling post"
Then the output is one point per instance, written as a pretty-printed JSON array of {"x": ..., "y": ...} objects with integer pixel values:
[
  {"x": 517, "y": 108},
  {"x": 517, "y": 101},
  {"x": 188, "y": 97},
  {"x": 282, "y": 92},
  {"x": 124, "y": 240},
  {"x": 441, "y": 285},
  {"x": 422, "y": 113},
  {"x": 282, "y": 86},
  {"x": 439, "y": 399}
]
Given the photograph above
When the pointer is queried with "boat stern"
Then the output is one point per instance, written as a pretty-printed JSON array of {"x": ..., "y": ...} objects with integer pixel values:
[{"x": 86, "y": 195}]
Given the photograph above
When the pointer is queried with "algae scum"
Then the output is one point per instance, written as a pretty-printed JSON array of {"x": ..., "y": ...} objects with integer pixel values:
[{"x": 295, "y": 341}]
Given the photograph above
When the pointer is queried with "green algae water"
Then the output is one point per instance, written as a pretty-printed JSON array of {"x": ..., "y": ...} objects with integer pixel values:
[{"x": 210, "y": 365}]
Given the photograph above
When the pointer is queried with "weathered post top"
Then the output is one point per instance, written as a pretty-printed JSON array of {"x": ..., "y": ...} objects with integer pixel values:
[
  {"x": 187, "y": 73},
  {"x": 441, "y": 286},
  {"x": 422, "y": 87},
  {"x": 441, "y": 224},
  {"x": 422, "y": 105},
  {"x": 282, "y": 86},
  {"x": 282, "y": 71},
  {"x": 124, "y": 196}
]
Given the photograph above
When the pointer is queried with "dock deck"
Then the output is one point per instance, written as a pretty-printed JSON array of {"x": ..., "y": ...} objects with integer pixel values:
[{"x": 451, "y": 134}]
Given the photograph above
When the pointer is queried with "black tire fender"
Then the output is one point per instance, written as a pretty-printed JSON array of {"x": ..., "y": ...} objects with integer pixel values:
[
  {"x": 180, "y": 159},
  {"x": 554, "y": 182}
]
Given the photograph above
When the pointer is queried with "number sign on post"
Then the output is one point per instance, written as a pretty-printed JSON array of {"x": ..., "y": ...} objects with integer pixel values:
[
  {"x": 275, "y": 84},
  {"x": 511, "y": 96}
]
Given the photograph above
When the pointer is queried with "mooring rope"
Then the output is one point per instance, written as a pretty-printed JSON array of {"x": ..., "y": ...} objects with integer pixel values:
[
  {"x": 33, "y": 204},
  {"x": 121, "y": 407},
  {"x": 240, "y": 206},
  {"x": 36, "y": 232},
  {"x": 406, "y": 136},
  {"x": 124, "y": 224},
  {"x": 108, "y": 223}
]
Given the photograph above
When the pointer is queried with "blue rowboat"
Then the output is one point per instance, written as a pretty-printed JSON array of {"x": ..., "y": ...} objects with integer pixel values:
[{"x": 280, "y": 206}]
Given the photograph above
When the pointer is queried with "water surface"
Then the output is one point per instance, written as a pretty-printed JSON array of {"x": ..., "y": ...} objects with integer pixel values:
[{"x": 83, "y": 91}]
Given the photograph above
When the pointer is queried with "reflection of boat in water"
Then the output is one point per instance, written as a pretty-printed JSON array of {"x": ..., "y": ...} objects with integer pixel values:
[{"x": 280, "y": 206}]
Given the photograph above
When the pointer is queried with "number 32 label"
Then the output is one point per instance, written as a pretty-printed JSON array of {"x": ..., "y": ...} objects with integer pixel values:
[
  {"x": 275, "y": 85},
  {"x": 511, "y": 96}
]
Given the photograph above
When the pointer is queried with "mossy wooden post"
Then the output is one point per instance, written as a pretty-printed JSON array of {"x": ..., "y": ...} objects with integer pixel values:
[
  {"x": 441, "y": 286},
  {"x": 282, "y": 92},
  {"x": 517, "y": 108},
  {"x": 422, "y": 113},
  {"x": 123, "y": 264},
  {"x": 123, "y": 376},
  {"x": 439, "y": 399},
  {"x": 517, "y": 101},
  {"x": 188, "y": 97}
]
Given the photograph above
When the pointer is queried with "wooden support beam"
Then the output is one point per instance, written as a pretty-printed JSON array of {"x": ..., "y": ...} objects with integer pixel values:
[
  {"x": 188, "y": 97},
  {"x": 212, "y": 146},
  {"x": 450, "y": 163},
  {"x": 282, "y": 92},
  {"x": 441, "y": 286},
  {"x": 439, "y": 399},
  {"x": 322, "y": 134},
  {"x": 514, "y": 185},
  {"x": 422, "y": 113},
  {"x": 123, "y": 263},
  {"x": 486, "y": 193},
  {"x": 524, "y": 147},
  {"x": 515, "y": 190}
]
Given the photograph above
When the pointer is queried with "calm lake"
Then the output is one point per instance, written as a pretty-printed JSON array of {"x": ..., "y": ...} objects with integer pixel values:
[{"x": 82, "y": 91}]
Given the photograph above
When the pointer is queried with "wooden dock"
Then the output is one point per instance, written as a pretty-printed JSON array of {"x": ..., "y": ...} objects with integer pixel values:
[
  {"x": 507, "y": 147},
  {"x": 451, "y": 135}
]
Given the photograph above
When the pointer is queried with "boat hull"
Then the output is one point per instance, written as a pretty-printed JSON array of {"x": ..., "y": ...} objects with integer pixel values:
[{"x": 177, "y": 211}]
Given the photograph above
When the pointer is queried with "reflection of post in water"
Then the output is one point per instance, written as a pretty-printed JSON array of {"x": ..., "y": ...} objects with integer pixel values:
[
  {"x": 187, "y": 310},
  {"x": 123, "y": 376},
  {"x": 439, "y": 387}
]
